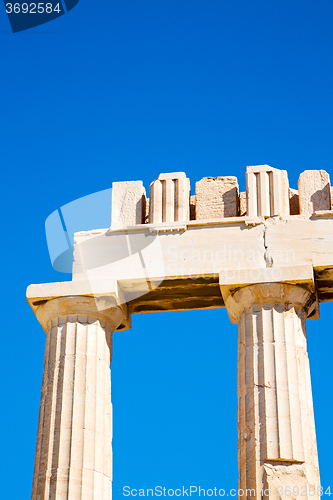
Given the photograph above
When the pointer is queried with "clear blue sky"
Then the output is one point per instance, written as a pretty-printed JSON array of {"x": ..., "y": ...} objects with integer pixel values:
[{"x": 125, "y": 90}]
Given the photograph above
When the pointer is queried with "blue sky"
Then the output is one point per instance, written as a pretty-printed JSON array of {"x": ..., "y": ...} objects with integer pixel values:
[{"x": 125, "y": 90}]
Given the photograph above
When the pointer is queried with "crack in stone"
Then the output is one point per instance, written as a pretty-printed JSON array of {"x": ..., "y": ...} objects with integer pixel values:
[{"x": 267, "y": 257}]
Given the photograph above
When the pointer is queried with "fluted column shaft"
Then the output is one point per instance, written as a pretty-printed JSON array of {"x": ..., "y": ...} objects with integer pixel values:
[
  {"x": 74, "y": 455},
  {"x": 277, "y": 450}
]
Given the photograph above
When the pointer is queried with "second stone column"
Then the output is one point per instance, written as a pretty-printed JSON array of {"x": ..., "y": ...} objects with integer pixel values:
[{"x": 277, "y": 450}]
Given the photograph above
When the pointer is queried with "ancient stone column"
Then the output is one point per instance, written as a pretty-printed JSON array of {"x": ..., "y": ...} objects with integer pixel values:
[
  {"x": 277, "y": 451},
  {"x": 74, "y": 455}
]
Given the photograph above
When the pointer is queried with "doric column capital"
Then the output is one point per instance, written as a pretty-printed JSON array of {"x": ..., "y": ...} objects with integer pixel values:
[
  {"x": 291, "y": 296},
  {"x": 86, "y": 309},
  {"x": 102, "y": 301},
  {"x": 292, "y": 287}
]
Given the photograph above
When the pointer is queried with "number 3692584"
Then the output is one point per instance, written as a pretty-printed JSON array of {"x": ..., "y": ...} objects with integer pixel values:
[{"x": 32, "y": 8}]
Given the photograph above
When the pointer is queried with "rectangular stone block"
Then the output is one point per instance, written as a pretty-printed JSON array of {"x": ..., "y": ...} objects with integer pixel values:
[
  {"x": 128, "y": 204},
  {"x": 267, "y": 190},
  {"x": 169, "y": 198},
  {"x": 216, "y": 198},
  {"x": 314, "y": 191}
]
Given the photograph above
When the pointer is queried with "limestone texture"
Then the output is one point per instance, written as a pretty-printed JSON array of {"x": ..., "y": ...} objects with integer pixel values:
[
  {"x": 314, "y": 191},
  {"x": 128, "y": 204},
  {"x": 216, "y": 197}
]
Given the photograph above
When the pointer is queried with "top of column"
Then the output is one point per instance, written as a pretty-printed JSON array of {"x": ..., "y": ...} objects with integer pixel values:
[
  {"x": 101, "y": 300},
  {"x": 291, "y": 286}
]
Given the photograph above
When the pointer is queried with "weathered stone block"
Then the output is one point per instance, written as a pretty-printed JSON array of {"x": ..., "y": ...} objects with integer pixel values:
[
  {"x": 216, "y": 197},
  {"x": 128, "y": 204},
  {"x": 314, "y": 191}
]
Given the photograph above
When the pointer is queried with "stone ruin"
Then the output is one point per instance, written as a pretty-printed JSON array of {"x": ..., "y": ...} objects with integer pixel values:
[{"x": 266, "y": 255}]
